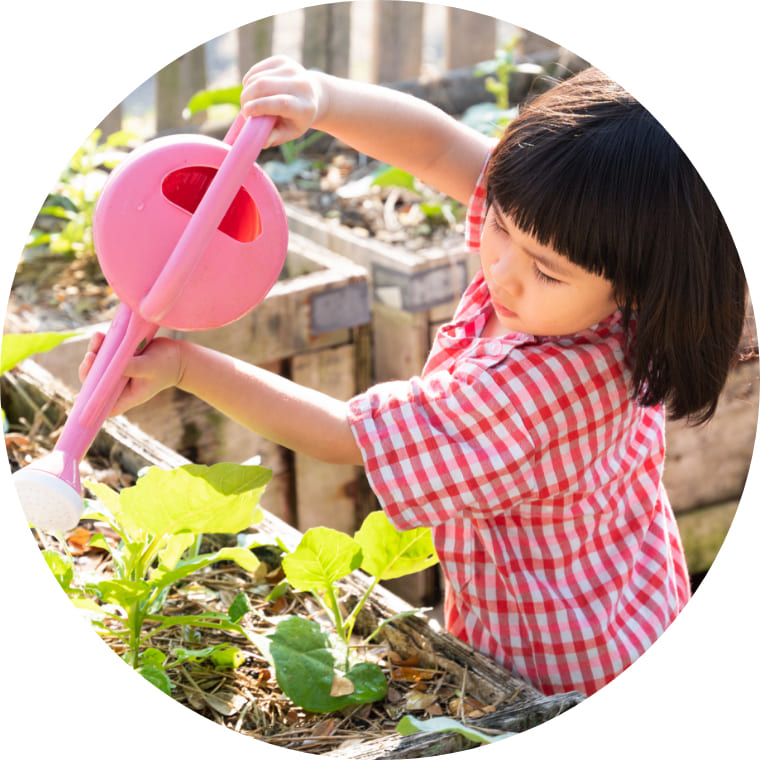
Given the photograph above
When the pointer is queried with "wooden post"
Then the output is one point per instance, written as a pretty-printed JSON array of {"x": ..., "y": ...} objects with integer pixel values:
[
  {"x": 175, "y": 85},
  {"x": 254, "y": 43},
  {"x": 398, "y": 41},
  {"x": 326, "y": 493},
  {"x": 111, "y": 123},
  {"x": 326, "y": 39},
  {"x": 470, "y": 38}
]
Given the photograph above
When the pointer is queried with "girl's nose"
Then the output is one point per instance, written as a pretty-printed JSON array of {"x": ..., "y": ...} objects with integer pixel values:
[{"x": 505, "y": 275}]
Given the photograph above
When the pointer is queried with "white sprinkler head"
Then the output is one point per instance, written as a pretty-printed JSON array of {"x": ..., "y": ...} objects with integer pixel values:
[{"x": 49, "y": 503}]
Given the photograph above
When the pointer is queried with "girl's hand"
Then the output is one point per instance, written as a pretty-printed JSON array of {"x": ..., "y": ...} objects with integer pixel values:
[
  {"x": 158, "y": 367},
  {"x": 280, "y": 87}
]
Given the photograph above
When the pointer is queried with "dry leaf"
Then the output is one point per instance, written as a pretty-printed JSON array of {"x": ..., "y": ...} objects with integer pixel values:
[
  {"x": 414, "y": 674},
  {"x": 78, "y": 539},
  {"x": 225, "y": 703},
  {"x": 419, "y": 700},
  {"x": 341, "y": 687}
]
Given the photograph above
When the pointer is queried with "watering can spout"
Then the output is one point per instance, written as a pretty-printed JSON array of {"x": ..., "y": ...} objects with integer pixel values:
[{"x": 50, "y": 492}]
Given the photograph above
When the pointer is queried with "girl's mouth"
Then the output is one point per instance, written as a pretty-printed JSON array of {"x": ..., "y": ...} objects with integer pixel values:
[{"x": 503, "y": 311}]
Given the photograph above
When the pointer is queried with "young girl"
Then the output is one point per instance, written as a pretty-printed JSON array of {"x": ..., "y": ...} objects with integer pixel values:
[{"x": 532, "y": 443}]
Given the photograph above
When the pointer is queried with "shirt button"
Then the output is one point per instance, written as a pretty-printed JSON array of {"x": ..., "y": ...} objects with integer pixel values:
[{"x": 494, "y": 347}]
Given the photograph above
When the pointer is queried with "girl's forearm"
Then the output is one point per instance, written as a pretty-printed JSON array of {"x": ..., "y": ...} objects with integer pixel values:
[
  {"x": 299, "y": 418},
  {"x": 403, "y": 131}
]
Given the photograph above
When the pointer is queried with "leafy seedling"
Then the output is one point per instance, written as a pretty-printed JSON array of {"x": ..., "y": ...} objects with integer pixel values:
[
  {"x": 157, "y": 520},
  {"x": 317, "y": 669}
]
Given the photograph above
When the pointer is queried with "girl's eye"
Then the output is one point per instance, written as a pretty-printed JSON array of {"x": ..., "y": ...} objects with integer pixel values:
[
  {"x": 496, "y": 225},
  {"x": 543, "y": 277}
]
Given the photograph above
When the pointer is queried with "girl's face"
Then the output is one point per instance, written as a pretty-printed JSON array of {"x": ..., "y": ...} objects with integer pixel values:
[{"x": 534, "y": 289}]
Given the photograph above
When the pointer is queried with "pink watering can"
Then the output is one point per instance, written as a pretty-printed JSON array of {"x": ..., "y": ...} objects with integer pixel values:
[{"x": 191, "y": 235}]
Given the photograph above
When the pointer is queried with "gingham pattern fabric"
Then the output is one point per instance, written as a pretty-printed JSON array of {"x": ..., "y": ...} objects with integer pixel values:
[{"x": 541, "y": 481}]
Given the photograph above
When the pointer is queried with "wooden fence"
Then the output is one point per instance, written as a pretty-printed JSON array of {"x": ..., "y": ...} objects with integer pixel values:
[{"x": 382, "y": 41}]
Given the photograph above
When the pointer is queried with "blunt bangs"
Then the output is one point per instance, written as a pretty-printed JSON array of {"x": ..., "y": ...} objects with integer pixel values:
[
  {"x": 596, "y": 179},
  {"x": 589, "y": 172}
]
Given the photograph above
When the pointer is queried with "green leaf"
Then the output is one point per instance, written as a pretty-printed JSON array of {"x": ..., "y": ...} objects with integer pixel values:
[
  {"x": 240, "y": 606},
  {"x": 175, "y": 548},
  {"x": 390, "y": 553},
  {"x": 123, "y": 593},
  {"x": 322, "y": 557},
  {"x": 207, "y": 98},
  {"x": 305, "y": 669},
  {"x": 157, "y": 676},
  {"x": 153, "y": 656},
  {"x": 163, "y": 576},
  {"x": 17, "y": 347},
  {"x": 61, "y": 568},
  {"x": 222, "y": 498},
  {"x": 393, "y": 177},
  {"x": 409, "y": 725}
]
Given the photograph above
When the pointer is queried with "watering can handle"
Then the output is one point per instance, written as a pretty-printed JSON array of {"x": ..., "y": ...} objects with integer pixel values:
[{"x": 246, "y": 144}]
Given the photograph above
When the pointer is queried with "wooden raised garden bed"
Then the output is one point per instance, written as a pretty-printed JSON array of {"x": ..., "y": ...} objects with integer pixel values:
[{"x": 430, "y": 672}]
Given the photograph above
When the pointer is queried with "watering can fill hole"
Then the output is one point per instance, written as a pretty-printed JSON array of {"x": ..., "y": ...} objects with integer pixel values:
[{"x": 186, "y": 187}]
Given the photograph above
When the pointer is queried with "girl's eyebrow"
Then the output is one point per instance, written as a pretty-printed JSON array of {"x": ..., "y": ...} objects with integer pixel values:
[{"x": 551, "y": 263}]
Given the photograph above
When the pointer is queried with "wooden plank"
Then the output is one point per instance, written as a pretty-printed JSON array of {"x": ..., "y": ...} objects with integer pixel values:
[
  {"x": 326, "y": 43},
  {"x": 326, "y": 493},
  {"x": 470, "y": 38},
  {"x": 400, "y": 341},
  {"x": 254, "y": 43},
  {"x": 175, "y": 85},
  {"x": 398, "y": 41}
]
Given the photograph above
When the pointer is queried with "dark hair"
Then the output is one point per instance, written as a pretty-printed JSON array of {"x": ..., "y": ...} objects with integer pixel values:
[{"x": 587, "y": 170}]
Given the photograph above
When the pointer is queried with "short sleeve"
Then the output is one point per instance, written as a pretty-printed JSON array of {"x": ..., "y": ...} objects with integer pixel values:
[{"x": 438, "y": 446}]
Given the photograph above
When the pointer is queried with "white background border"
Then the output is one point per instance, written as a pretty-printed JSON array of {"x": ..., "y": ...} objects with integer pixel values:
[{"x": 67, "y": 64}]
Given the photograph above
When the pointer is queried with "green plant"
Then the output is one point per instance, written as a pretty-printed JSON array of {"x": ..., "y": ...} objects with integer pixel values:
[
  {"x": 157, "y": 521},
  {"x": 317, "y": 670},
  {"x": 435, "y": 209},
  {"x": 491, "y": 118},
  {"x": 292, "y": 166},
  {"x": 72, "y": 203}
]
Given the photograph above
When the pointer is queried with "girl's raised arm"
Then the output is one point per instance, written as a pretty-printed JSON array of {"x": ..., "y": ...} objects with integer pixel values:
[{"x": 383, "y": 123}]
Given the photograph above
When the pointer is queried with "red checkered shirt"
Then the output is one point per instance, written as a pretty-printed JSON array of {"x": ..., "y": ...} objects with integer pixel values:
[{"x": 541, "y": 481}]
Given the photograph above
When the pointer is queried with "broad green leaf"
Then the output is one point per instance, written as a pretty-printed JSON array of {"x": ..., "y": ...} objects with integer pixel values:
[
  {"x": 409, "y": 725},
  {"x": 157, "y": 676},
  {"x": 305, "y": 669},
  {"x": 17, "y": 347},
  {"x": 123, "y": 593},
  {"x": 153, "y": 656},
  {"x": 322, "y": 557},
  {"x": 163, "y": 576},
  {"x": 222, "y": 498},
  {"x": 390, "y": 553},
  {"x": 393, "y": 177},
  {"x": 207, "y": 98}
]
